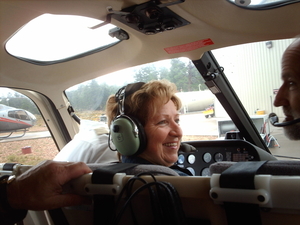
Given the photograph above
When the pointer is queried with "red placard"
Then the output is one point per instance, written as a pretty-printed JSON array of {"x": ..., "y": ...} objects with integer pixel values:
[{"x": 189, "y": 46}]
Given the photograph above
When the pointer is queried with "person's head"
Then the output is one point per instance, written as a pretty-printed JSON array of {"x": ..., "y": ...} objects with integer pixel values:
[
  {"x": 288, "y": 95},
  {"x": 155, "y": 106}
]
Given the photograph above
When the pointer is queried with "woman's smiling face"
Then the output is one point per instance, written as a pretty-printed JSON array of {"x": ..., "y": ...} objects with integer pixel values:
[{"x": 164, "y": 135}]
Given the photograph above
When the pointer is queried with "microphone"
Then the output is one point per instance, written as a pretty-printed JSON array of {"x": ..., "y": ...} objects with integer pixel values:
[{"x": 274, "y": 121}]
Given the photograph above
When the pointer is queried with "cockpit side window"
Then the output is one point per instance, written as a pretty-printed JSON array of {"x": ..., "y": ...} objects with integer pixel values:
[{"x": 24, "y": 136}]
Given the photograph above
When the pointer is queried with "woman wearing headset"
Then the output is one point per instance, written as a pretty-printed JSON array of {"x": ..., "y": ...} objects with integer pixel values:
[{"x": 144, "y": 123}]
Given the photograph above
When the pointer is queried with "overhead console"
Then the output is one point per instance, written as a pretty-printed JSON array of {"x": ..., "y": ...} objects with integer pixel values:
[
  {"x": 206, "y": 153},
  {"x": 150, "y": 18}
]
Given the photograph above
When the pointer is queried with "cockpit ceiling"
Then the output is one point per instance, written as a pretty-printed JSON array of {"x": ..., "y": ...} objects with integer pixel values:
[{"x": 219, "y": 21}]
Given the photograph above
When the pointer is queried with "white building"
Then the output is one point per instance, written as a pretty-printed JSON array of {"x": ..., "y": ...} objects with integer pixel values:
[{"x": 260, "y": 67}]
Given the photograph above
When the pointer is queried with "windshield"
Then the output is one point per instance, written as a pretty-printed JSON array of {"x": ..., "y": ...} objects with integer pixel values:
[{"x": 198, "y": 101}]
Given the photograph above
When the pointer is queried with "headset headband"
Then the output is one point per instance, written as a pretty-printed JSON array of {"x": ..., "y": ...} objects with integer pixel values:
[{"x": 124, "y": 92}]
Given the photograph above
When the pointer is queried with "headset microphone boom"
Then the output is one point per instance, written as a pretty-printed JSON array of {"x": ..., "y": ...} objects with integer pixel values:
[{"x": 274, "y": 121}]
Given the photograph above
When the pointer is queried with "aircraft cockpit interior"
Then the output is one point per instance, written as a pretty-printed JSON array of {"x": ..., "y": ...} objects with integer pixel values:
[{"x": 184, "y": 111}]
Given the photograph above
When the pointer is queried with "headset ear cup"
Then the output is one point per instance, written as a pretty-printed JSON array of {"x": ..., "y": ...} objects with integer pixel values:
[
  {"x": 128, "y": 135},
  {"x": 142, "y": 135}
]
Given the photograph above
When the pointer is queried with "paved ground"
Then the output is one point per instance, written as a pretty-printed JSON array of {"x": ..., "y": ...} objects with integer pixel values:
[{"x": 28, "y": 135}]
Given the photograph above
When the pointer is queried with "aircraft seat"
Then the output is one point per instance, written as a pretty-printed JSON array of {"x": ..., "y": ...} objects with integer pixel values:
[{"x": 266, "y": 190}]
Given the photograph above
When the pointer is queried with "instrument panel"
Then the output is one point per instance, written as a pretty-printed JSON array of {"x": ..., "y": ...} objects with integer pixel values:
[{"x": 206, "y": 153}]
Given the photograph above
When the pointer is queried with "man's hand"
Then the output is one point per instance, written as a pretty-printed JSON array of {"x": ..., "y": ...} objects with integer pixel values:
[{"x": 41, "y": 187}]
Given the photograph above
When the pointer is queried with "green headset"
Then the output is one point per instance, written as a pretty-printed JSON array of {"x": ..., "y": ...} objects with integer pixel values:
[{"x": 126, "y": 132}]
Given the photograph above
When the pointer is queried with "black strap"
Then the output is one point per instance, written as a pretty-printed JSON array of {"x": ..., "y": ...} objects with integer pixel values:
[
  {"x": 241, "y": 175},
  {"x": 8, "y": 215},
  {"x": 58, "y": 217},
  {"x": 9, "y": 166},
  {"x": 241, "y": 213},
  {"x": 104, "y": 204},
  {"x": 104, "y": 175}
]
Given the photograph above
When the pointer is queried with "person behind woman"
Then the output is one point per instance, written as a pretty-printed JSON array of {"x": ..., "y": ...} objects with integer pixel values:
[{"x": 155, "y": 106}]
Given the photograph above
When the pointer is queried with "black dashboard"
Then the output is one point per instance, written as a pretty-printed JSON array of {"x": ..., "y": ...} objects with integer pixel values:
[{"x": 201, "y": 154}]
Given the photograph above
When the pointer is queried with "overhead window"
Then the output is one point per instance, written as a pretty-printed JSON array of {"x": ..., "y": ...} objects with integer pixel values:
[
  {"x": 50, "y": 39},
  {"x": 262, "y": 4}
]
